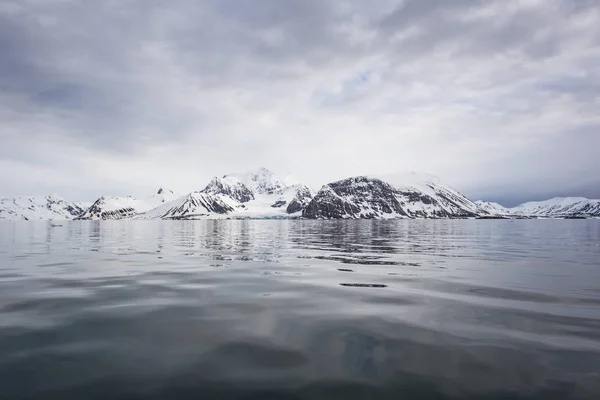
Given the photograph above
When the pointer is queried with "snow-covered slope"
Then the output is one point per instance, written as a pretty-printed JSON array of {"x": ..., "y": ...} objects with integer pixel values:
[
  {"x": 493, "y": 208},
  {"x": 160, "y": 197},
  {"x": 115, "y": 207},
  {"x": 255, "y": 194},
  {"x": 262, "y": 181},
  {"x": 39, "y": 208},
  {"x": 409, "y": 196},
  {"x": 272, "y": 196},
  {"x": 446, "y": 200},
  {"x": 559, "y": 207},
  {"x": 195, "y": 205}
]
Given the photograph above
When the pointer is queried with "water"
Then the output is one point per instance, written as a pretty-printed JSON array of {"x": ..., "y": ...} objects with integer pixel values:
[{"x": 300, "y": 310}]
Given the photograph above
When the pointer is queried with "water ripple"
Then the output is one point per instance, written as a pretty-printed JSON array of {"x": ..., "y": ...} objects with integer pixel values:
[{"x": 300, "y": 309}]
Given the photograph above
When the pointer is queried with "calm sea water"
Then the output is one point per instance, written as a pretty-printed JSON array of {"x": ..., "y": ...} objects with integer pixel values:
[{"x": 300, "y": 310}]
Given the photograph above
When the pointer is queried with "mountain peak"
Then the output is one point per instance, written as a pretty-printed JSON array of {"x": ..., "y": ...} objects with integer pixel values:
[
  {"x": 261, "y": 181},
  {"x": 230, "y": 186}
]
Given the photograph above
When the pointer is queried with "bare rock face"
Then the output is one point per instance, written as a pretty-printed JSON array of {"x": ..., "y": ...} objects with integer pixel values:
[
  {"x": 295, "y": 206},
  {"x": 279, "y": 203},
  {"x": 358, "y": 197},
  {"x": 301, "y": 199}
]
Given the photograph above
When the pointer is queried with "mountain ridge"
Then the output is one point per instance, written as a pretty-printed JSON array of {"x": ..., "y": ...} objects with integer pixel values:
[
  {"x": 50, "y": 207},
  {"x": 119, "y": 207},
  {"x": 255, "y": 194},
  {"x": 370, "y": 197},
  {"x": 262, "y": 194}
]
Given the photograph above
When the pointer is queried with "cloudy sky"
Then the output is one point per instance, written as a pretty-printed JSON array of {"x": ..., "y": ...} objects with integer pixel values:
[{"x": 501, "y": 99}]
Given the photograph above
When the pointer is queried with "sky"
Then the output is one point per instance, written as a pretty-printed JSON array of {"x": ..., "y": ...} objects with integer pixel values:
[{"x": 500, "y": 99}]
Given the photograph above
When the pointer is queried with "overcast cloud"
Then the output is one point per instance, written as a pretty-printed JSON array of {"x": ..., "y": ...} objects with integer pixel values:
[{"x": 501, "y": 99}]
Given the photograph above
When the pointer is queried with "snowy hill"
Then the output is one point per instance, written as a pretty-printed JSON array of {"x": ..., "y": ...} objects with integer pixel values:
[
  {"x": 493, "y": 208},
  {"x": 255, "y": 194},
  {"x": 560, "y": 207},
  {"x": 114, "y": 207},
  {"x": 39, "y": 208},
  {"x": 408, "y": 195}
]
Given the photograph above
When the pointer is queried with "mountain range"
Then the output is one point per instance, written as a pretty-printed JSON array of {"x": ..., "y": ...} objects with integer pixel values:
[{"x": 263, "y": 194}]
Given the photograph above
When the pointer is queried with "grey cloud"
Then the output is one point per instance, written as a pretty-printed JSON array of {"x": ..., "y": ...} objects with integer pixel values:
[
  {"x": 188, "y": 88},
  {"x": 442, "y": 23}
]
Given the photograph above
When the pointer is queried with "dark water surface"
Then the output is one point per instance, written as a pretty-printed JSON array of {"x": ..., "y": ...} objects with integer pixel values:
[{"x": 300, "y": 310}]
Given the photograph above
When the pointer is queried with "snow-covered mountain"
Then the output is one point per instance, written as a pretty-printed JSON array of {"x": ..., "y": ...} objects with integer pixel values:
[
  {"x": 114, "y": 207},
  {"x": 231, "y": 187},
  {"x": 255, "y": 194},
  {"x": 195, "y": 205},
  {"x": 559, "y": 207},
  {"x": 408, "y": 195},
  {"x": 39, "y": 208},
  {"x": 263, "y": 194}
]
